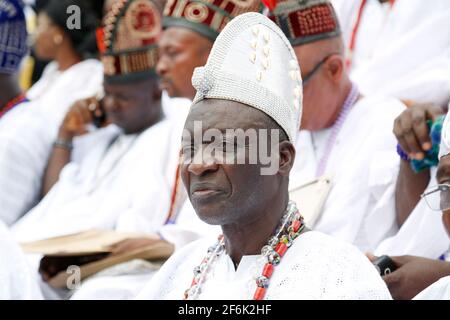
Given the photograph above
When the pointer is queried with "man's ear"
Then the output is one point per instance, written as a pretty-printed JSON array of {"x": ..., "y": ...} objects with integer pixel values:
[
  {"x": 335, "y": 68},
  {"x": 287, "y": 157}
]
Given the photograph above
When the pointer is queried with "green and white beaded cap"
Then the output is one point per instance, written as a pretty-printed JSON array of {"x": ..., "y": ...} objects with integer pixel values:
[{"x": 252, "y": 62}]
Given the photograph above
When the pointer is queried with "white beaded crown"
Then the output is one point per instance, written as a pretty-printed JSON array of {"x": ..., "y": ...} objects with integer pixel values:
[{"x": 252, "y": 62}]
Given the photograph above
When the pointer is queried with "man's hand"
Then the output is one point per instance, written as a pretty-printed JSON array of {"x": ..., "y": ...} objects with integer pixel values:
[
  {"x": 79, "y": 116},
  {"x": 413, "y": 275},
  {"x": 411, "y": 131},
  {"x": 132, "y": 244}
]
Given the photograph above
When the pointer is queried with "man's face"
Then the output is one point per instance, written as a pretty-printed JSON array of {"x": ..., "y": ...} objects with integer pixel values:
[
  {"x": 443, "y": 176},
  {"x": 317, "y": 92},
  {"x": 180, "y": 52},
  {"x": 132, "y": 106},
  {"x": 221, "y": 192}
]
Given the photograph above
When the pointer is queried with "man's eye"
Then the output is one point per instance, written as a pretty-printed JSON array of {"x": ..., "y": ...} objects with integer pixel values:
[
  {"x": 171, "y": 52},
  {"x": 188, "y": 151}
]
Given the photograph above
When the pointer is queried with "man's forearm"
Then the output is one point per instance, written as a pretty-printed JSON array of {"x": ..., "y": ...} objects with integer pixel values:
[
  {"x": 59, "y": 157},
  {"x": 410, "y": 186}
]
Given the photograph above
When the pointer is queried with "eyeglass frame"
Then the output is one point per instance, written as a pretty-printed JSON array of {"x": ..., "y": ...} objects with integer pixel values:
[
  {"x": 316, "y": 68},
  {"x": 432, "y": 190}
]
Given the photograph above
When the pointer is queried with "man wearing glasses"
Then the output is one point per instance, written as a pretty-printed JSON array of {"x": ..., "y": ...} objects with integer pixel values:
[
  {"x": 413, "y": 273},
  {"x": 345, "y": 136}
]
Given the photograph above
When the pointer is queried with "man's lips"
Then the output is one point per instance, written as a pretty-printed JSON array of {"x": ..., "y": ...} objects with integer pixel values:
[{"x": 205, "y": 191}]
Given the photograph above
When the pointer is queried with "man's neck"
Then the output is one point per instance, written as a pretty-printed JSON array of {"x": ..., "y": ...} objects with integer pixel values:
[
  {"x": 344, "y": 92},
  {"x": 248, "y": 238},
  {"x": 155, "y": 117}
]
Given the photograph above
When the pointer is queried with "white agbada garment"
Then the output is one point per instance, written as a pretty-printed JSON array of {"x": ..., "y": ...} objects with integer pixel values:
[
  {"x": 439, "y": 290},
  {"x": 315, "y": 267},
  {"x": 28, "y": 132},
  {"x": 17, "y": 281},
  {"x": 403, "y": 52},
  {"x": 124, "y": 185},
  {"x": 363, "y": 165}
]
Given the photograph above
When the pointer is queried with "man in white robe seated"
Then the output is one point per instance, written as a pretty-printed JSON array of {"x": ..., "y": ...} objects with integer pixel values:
[
  {"x": 17, "y": 280},
  {"x": 128, "y": 179},
  {"x": 414, "y": 274},
  {"x": 425, "y": 265},
  {"x": 399, "y": 48},
  {"x": 265, "y": 252},
  {"x": 337, "y": 141},
  {"x": 421, "y": 232}
]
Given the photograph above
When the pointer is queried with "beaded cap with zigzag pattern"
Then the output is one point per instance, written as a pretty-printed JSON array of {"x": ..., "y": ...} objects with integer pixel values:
[
  {"x": 207, "y": 17},
  {"x": 127, "y": 40}
]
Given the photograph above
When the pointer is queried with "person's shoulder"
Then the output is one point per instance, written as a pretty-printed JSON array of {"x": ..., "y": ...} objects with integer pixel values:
[{"x": 320, "y": 243}]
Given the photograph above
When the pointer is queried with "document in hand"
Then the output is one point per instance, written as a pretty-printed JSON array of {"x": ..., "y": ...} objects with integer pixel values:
[{"x": 91, "y": 251}]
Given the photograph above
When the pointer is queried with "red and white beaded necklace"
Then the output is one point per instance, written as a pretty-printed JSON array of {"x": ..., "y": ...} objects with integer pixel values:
[{"x": 289, "y": 229}]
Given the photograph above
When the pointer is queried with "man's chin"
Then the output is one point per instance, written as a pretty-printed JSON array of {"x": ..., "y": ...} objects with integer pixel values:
[{"x": 209, "y": 215}]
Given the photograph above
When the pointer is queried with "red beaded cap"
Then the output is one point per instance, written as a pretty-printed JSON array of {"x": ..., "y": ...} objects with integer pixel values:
[
  {"x": 207, "y": 17},
  {"x": 305, "y": 21},
  {"x": 128, "y": 38}
]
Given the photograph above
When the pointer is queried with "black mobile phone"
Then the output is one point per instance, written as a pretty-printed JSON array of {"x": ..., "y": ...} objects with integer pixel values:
[
  {"x": 385, "y": 265},
  {"x": 99, "y": 115}
]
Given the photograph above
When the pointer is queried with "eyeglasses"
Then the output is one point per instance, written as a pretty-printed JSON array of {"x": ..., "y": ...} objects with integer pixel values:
[
  {"x": 438, "y": 197},
  {"x": 308, "y": 77}
]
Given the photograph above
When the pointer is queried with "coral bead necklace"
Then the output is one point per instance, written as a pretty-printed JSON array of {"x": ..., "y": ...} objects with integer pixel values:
[{"x": 289, "y": 229}]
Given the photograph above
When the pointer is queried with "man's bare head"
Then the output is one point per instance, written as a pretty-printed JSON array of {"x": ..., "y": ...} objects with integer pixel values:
[{"x": 325, "y": 79}]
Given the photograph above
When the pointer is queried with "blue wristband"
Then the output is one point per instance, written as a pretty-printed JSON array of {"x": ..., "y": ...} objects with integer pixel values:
[{"x": 402, "y": 153}]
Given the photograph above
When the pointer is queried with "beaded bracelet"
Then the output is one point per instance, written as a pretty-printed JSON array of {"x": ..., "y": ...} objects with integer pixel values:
[{"x": 403, "y": 155}]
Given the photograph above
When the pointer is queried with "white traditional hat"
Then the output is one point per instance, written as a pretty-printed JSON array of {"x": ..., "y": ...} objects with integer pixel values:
[{"x": 252, "y": 62}]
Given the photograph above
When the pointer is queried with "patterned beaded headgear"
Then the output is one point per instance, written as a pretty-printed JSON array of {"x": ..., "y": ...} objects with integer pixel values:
[
  {"x": 252, "y": 62},
  {"x": 207, "y": 17},
  {"x": 305, "y": 21},
  {"x": 13, "y": 35},
  {"x": 127, "y": 42}
]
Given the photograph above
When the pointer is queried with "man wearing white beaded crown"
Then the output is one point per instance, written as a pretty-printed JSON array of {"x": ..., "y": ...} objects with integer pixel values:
[
  {"x": 345, "y": 137},
  {"x": 265, "y": 251}
]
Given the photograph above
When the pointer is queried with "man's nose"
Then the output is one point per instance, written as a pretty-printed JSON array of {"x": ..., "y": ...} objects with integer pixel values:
[
  {"x": 162, "y": 65},
  {"x": 202, "y": 163}
]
